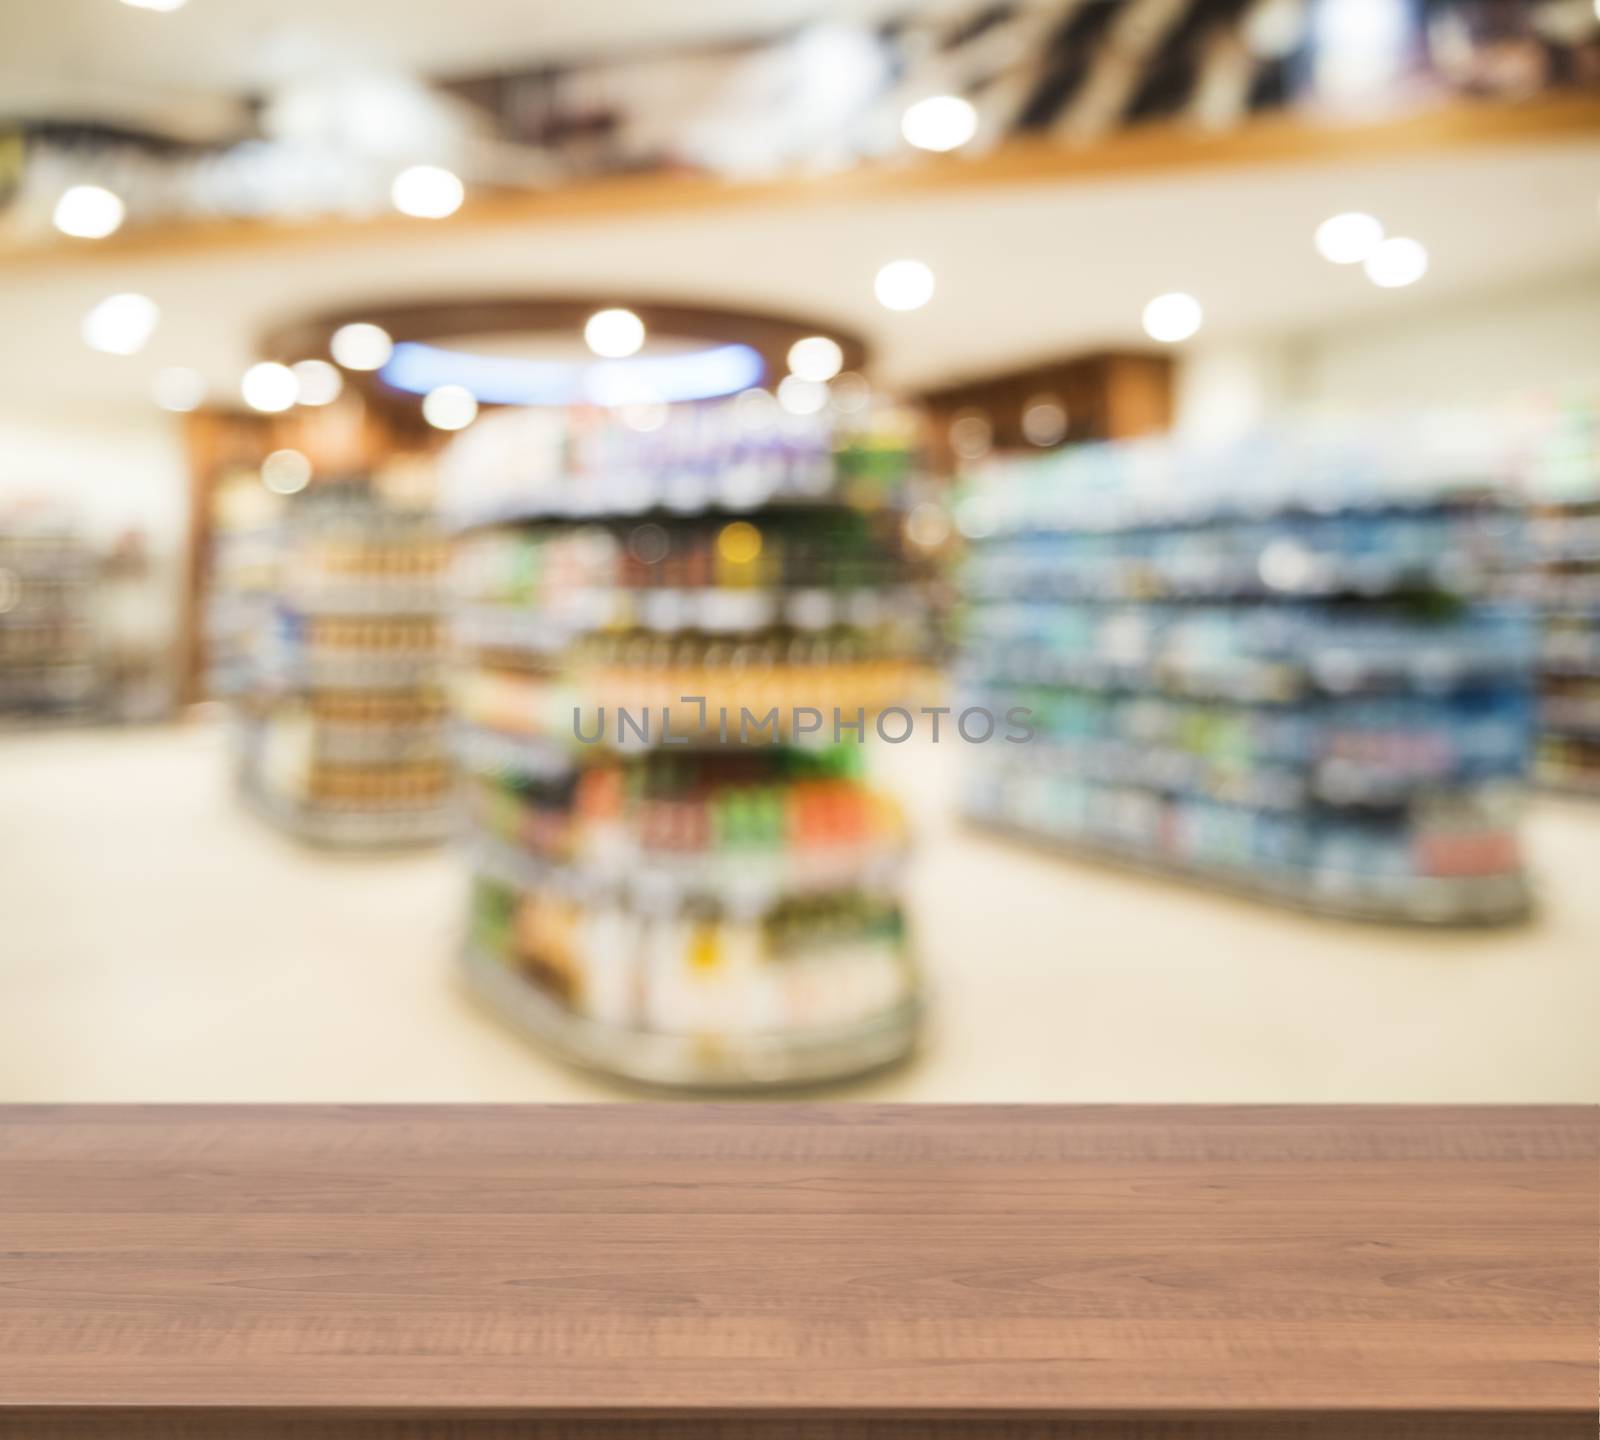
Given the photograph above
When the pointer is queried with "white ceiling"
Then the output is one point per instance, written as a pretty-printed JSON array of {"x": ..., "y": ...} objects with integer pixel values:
[
  {"x": 103, "y": 52},
  {"x": 1022, "y": 272}
]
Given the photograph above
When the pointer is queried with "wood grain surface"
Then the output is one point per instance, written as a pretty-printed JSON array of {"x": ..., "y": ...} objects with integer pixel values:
[{"x": 666, "y": 1272}]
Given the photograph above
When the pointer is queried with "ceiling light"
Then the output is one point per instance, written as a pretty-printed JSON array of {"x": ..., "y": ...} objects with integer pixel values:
[
  {"x": 1044, "y": 421},
  {"x": 755, "y": 409},
  {"x": 816, "y": 358},
  {"x": 166, "y": 7},
  {"x": 450, "y": 407},
  {"x": 615, "y": 334},
  {"x": 317, "y": 382},
  {"x": 971, "y": 435},
  {"x": 1397, "y": 262},
  {"x": 1349, "y": 238},
  {"x": 120, "y": 324},
  {"x": 644, "y": 415},
  {"x": 850, "y": 393},
  {"x": 361, "y": 346},
  {"x": 428, "y": 192},
  {"x": 269, "y": 387},
  {"x": 88, "y": 211},
  {"x": 941, "y": 122},
  {"x": 801, "y": 397},
  {"x": 1172, "y": 317},
  {"x": 904, "y": 285},
  {"x": 287, "y": 472},
  {"x": 178, "y": 388}
]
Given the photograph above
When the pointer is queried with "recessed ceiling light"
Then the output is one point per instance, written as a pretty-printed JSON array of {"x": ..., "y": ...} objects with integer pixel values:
[
  {"x": 1172, "y": 317},
  {"x": 904, "y": 285},
  {"x": 269, "y": 387},
  {"x": 816, "y": 358},
  {"x": 89, "y": 212},
  {"x": 614, "y": 334},
  {"x": 318, "y": 382},
  {"x": 166, "y": 7},
  {"x": 427, "y": 192},
  {"x": 450, "y": 407},
  {"x": 361, "y": 346},
  {"x": 1044, "y": 421},
  {"x": 1397, "y": 262},
  {"x": 1349, "y": 238},
  {"x": 801, "y": 397},
  {"x": 287, "y": 472},
  {"x": 120, "y": 324},
  {"x": 941, "y": 122}
]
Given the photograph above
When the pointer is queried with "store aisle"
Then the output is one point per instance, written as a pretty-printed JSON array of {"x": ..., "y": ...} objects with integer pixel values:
[
  {"x": 163, "y": 944},
  {"x": 159, "y": 944}
]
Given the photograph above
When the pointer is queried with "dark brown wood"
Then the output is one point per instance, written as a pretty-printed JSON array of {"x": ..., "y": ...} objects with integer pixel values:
[
  {"x": 1107, "y": 395},
  {"x": 215, "y": 441},
  {"x": 794, "y": 1272}
]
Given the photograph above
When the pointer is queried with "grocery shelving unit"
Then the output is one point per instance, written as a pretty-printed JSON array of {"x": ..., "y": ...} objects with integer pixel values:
[
  {"x": 652, "y": 897},
  {"x": 48, "y": 666},
  {"x": 337, "y": 670},
  {"x": 1564, "y": 495},
  {"x": 1288, "y": 668}
]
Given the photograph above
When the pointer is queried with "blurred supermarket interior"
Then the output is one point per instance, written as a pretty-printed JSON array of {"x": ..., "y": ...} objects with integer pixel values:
[{"x": 1040, "y": 550}]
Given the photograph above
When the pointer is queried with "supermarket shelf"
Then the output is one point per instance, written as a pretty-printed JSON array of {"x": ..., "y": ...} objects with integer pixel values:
[
  {"x": 484, "y": 751},
  {"x": 745, "y": 884},
  {"x": 1475, "y": 901},
  {"x": 1579, "y": 669},
  {"x": 352, "y": 830},
  {"x": 727, "y": 1063},
  {"x": 385, "y": 600},
  {"x": 365, "y": 670},
  {"x": 1089, "y": 518},
  {"x": 1244, "y": 682},
  {"x": 578, "y": 506},
  {"x": 710, "y": 610},
  {"x": 377, "y": 744},
  {"x": 1280, "y": 783},
  {"x": 1572, "y": 789}
]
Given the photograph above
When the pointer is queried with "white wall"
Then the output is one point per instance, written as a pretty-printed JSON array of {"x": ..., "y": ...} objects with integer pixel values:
[
  {"x": 1481, "y": 350},
  {"x": 1538, "y": 339},
  {"x": 113, "y": 471}
]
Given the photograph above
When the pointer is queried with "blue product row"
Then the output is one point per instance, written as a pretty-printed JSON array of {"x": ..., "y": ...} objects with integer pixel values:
[
  {"x": 1334, "y": 468},
  {"x": 1271, "y": 653},
  {"x": 1314, "y": 855},
  {"x": 1459, "y": 549},
  {"x": 1373, "y": 750}
]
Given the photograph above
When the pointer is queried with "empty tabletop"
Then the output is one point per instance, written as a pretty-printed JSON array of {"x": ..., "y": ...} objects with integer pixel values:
[{"x": 796, "y": 1271}]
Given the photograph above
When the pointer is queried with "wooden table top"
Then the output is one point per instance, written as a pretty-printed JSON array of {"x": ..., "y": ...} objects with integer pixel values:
[{"x": 817, "y": 1270}]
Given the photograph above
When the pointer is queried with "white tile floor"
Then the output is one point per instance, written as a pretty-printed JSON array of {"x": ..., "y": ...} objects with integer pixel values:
[{"x": 157, "y": 943}]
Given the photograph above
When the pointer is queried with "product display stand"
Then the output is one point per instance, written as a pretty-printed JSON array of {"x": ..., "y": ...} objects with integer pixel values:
[
  {"x": 1565, "y": 499},
  {"x": 48, "y": 670},
  {"x": 1284, "y": 668},
  {"x": 677, "y": 881},
  {"x": 340, "y": 708}
]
